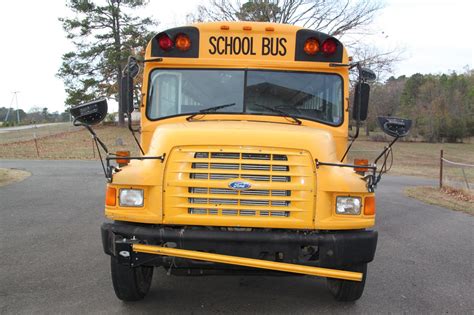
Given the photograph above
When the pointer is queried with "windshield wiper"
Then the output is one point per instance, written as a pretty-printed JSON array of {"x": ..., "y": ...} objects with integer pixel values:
[
  {"x": 209, "y": 110},
  {"x": 276, "y": 110}
]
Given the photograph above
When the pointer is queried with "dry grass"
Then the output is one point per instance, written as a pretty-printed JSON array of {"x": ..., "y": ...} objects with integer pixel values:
[
  {"x": 448, "y": 198},
  {"x": 40, "y": 131},
  {"x": 417, "y": 158},
  {"x": 75, "y": 144},
  {"x": 8, "y": 176}
]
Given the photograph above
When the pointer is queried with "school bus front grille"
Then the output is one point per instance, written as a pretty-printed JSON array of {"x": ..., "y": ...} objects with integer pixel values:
[
  {"x": 198, "y": 184},
  {"x": 239, "y": 199}
]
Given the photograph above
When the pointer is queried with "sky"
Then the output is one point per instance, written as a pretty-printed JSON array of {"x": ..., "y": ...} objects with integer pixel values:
[{"x": 434, "y": 35}]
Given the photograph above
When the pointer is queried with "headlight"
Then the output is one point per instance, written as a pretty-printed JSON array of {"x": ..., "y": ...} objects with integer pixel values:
[
  {"x": 348, "y": 205},
  {"x": 131, "y": 197}
]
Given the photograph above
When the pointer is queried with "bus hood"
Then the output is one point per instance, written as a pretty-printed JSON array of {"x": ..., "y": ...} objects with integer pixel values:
[{"x": 319, "y": 143}]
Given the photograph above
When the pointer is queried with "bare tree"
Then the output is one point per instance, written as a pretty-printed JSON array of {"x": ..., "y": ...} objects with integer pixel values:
[
  {"x": 350, "y": 19},
  {"x": 335, "y": 17},
  {"x": 381, "y": 62}
]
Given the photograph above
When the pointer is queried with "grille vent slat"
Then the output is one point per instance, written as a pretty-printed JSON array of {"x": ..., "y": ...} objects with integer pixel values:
[
  {"x": 247, "y": 212},
  {"x": 199, "y": 176},
  {"x": 255, "y": 156},
  {"x": 200, "y": 165},
  {"x": 254, "y": 202},
  {"x": 229, "y": 212},
  {"x": 201, "y": 155},
  {"x": 258, "y": 178},
  {"x": 283, "y": 179},
  {"x": 224, "y": 166},
  {"x": 223, "y": 176},
  {"x": 223, "y": 191},
  {"x": 223, "y": 201},
  {"x": 222, "y": 155},
  {"x": 255, "y": 192},
  {"x": 257, "y": 167},
  {"x": 280, "y": 168}
]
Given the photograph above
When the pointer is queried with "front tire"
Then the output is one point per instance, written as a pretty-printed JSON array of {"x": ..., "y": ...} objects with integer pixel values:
[
  {"x": 346, "y": 290},
  {"x": 130, "y": 283}
]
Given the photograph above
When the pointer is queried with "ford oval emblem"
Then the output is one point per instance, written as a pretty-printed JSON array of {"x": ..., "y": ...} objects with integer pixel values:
[{"x": 238, "y": 185}]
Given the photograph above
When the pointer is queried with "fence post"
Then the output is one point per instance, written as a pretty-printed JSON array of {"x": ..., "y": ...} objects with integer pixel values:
[
  {"x": 36, "y": 144},
  {"x": 465, "y": 178},
  {"x": 93, "y": 148},
  {"x": 441, "y": 169}
]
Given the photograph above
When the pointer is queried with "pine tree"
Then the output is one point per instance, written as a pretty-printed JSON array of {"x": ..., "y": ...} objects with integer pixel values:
[{"x": 104, "y": 36}]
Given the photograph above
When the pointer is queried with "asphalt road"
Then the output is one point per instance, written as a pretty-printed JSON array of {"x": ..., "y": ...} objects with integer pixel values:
[{"x": 51, "y": 260}]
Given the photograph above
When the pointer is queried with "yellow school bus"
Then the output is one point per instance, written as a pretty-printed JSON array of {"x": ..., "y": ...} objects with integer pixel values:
[{"x": 244, "y": 133}]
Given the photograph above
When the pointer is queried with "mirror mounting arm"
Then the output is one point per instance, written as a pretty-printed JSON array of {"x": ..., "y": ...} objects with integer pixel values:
[
  {"x": 107, "y": 171},
  {"x": 386, "y": 149},
  {"x": 92, "y": 132},
  {"x": 129, "y": 116},
  {"x": 376, "y": 178}
]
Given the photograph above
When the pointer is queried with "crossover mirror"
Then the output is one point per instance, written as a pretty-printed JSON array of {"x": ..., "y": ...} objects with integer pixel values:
[
  {"x": 90, "y": 113},
  {"x": 367, "y": 75},
  {"x": 395, "y": 127}
]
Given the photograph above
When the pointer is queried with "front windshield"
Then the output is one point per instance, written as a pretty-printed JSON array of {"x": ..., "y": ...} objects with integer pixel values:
[{"x": 314, "y": 96}]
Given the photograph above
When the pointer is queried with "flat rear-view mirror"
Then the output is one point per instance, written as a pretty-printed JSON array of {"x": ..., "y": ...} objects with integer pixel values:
[
  {"x": 395, "y": 127},
  {"x": 361, "y": 102},
  {"x": 133, "y": 67},
  {"x": 90, "y": 113},
  {"x": 126, "y": 94}
]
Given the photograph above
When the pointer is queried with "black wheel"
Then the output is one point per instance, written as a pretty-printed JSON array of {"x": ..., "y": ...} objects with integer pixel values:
[
  {"x": 346, "y": 290},
  {"x": 130, "y": 284}
]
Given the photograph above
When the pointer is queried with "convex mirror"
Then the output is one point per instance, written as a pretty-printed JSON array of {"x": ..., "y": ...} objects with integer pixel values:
[
  {"x": 395, "y": 127},
  {"x": 367, "y": 75},
  {"x": 90, "y": 113}
]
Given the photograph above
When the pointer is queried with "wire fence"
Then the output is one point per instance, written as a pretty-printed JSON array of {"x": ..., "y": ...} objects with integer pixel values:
[
  {"x": 31, "y": 132},
  {"x": 27, "y": 141},
  {"x": 61, "y": 141},
  {"x": 456, "y": 174}
]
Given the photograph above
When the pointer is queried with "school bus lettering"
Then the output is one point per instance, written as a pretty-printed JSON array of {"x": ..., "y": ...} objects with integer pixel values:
[
  {"x": 243, "y": 160},
  {"x": 229, "y": 45},
  {"x": 273, "y": 46}
]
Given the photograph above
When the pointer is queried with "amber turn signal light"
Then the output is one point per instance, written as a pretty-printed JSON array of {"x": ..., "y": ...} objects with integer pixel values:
[
  {"x": 362, "y": 162},
  {"x": 182, "y": 42},
  {"x": 122, "y": 162},
  {"x": 111, "y": 197},
  {"x": 369, "y": 205},
  {"x": 311, "y": 46}
]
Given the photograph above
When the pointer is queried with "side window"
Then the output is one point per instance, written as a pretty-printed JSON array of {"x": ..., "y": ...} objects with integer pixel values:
[
  {"x": 165, "y": 95},
  {"x": 168, "y": 94}
]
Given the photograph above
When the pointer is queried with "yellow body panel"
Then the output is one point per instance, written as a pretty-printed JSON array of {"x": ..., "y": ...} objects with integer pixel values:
[{"x": 170, "y": 194}]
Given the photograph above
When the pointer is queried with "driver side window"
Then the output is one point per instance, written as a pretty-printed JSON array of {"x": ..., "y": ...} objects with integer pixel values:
[{"x": 168, "y": 94}]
